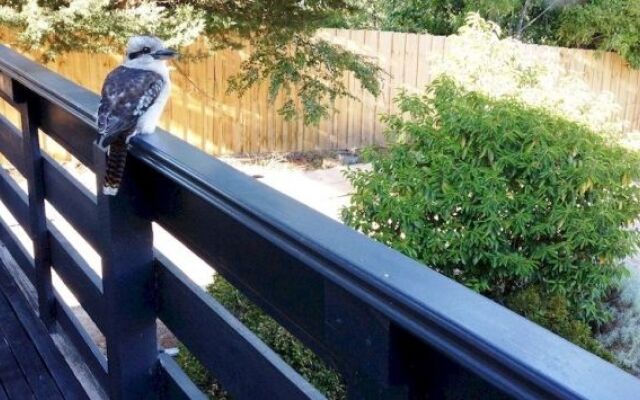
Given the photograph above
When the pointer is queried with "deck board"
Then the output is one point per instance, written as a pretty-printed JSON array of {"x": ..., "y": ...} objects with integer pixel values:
[
  {"x": 11, "y": 376},
  {"x": 31, "y": 367},
  {"x": 3, "y": 394},
  {"x": 30, "y": 363}
]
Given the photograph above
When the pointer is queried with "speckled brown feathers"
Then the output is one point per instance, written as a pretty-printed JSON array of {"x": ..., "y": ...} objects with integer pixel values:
[{"x": 126, "y": 95}]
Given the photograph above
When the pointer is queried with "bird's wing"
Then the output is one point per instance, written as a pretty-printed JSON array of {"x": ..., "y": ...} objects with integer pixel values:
[{"x": 126, "y": 94}]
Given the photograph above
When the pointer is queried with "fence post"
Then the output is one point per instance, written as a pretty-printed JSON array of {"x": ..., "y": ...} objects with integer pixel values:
[
  {"x": 37, "y": 229},
  {"x": 128, "y": 281}
]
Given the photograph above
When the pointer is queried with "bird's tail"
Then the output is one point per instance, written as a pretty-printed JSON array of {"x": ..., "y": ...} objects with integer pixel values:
[{"x": 116, "y": 160}]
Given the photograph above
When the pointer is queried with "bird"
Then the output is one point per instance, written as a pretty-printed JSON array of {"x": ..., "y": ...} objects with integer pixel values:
[{"x": 133, "y": 97}]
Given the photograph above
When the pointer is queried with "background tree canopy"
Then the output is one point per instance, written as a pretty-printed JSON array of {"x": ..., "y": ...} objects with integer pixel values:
[
  {"x": 592, "y": 24},
  {"x": 280, "y": 34}
]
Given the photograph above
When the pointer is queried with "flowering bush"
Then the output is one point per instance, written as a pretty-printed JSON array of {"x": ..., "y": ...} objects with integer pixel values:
[{"x": 478, "y": 59}]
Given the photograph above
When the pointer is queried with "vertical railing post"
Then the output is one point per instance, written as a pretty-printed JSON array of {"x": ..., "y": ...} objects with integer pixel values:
[
  {"x": 37, "y": 229},
  {"x": 365, "y": 351},
  {"x": 128, "y": 280}
]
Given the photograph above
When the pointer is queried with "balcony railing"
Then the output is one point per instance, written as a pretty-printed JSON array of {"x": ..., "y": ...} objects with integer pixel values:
[{"x": 392, "y": 327}]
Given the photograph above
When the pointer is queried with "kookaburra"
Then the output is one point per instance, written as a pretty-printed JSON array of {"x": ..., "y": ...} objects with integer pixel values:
[{"x": 133, "y": 97}]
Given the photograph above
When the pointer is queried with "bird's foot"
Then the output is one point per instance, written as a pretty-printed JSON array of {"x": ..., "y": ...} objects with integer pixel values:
[{"x": 128, "y": 139}]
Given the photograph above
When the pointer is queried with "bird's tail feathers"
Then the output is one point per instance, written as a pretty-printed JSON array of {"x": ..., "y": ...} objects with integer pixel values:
[{"x": 116, "y": 159}]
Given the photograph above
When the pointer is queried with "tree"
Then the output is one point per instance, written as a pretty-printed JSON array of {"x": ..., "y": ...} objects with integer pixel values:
[
  {"x": 591, "y": 24},
  {"x": 280, "y": 34},
  {"x": 603, "y": 24},
  {"x": 444, "y": 17}
]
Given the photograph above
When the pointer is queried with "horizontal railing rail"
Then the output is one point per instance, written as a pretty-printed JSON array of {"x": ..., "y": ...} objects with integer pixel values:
[{"x": 392, "y": 327}]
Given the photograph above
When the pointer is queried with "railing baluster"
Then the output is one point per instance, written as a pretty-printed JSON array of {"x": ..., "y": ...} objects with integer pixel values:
[
  {"x": 365, "y": 353},
  {"x": 127, "y": 278},
  {"x": 37, "y": 229}
]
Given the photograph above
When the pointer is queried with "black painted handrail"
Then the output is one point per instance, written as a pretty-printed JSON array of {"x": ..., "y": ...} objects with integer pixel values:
[{"x": 394, "y": 328}]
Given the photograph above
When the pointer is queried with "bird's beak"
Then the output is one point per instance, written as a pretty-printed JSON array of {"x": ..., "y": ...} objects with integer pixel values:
[{"x": 164, "y": 54}]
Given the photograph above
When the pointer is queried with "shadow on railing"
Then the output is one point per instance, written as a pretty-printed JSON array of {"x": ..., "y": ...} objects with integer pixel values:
[{"x": 393, "y": 328}]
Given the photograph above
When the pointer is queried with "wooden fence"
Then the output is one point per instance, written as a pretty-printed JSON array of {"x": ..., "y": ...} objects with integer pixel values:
[{"x": 202, "y": 113}]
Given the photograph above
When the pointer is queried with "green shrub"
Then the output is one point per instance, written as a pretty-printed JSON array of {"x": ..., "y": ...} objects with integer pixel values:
[
  {"x": 502, "y": 197},
  {"x": 552, "y": 311},
  {"x": 200, "y": 376},
  {"x": 292, "y": 351}
]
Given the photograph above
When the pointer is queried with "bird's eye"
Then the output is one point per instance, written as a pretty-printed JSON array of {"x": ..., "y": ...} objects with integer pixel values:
[{"x": 146, "y": 50}]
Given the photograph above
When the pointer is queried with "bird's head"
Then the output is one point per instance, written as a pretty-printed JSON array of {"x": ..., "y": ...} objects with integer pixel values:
[{"x": 147, "y": 50}]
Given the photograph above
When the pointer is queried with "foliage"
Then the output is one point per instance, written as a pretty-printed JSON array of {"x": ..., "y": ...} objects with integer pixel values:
[
  {"x": 54, "y": 28},
  {"x": 552, "y": 311},
  {"x": 481, "y": 61},
  {"x": 604, "y": 24},
  {"x": 318, "y": 86},
  {"x": 445, "y": 17},
  {"x": 622, "y": 334},
  {"x": 364, "y": 14},
  {"x": 501, "y": 197},
  {"x": 592, "y": 24},
  {"x": 200, "y": 376},
  {"x": 275, "y": 336},
  {"x": 280, "y": 34}
]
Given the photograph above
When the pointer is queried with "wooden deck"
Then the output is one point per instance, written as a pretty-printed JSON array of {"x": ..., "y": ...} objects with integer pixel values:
[{"x": 31, "y": 367}]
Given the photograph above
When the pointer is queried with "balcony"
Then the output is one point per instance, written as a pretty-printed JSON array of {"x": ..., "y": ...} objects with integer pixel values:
[{"x": 393, "y": 328}]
